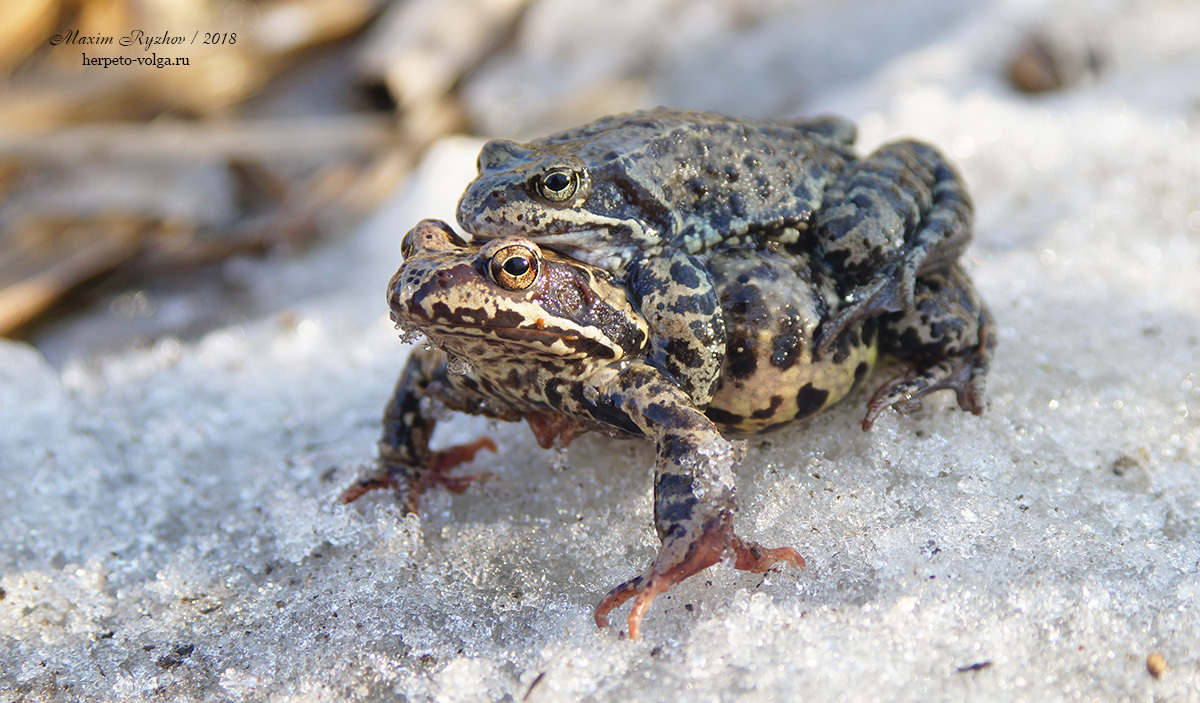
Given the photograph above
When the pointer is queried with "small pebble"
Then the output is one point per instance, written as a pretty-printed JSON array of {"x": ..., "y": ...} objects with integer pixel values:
[{"x": 1156, "y": 665}]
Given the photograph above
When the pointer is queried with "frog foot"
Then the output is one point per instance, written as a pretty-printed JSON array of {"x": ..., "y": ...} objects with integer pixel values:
[
  {"x": 966, "y": 379},
  {"x": 886, "y": 294},
  {"x": 682, "y": 556},
  {"x": 408, "y": 484}
]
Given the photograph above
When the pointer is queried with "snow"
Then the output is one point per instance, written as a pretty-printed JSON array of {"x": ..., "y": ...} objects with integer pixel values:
[{"x": 168, "y": 518}]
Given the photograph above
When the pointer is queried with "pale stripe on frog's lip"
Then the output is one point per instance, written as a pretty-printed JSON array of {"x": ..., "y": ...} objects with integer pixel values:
[{"x": 561, "y": 344}]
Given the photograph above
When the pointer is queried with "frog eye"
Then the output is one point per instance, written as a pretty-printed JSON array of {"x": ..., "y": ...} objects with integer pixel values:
[
  {"x": 557, "y": 184},
  {"x": 514, "y": 267}
]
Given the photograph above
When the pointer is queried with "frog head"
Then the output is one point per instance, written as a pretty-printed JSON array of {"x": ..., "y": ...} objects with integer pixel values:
[
  {"x": 508, "y": 301},
  {"x": 586, "y": 195}
]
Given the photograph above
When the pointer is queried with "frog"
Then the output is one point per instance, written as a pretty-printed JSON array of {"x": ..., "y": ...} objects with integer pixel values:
[
  {"x": 647, "y": 194},
  {"x": 517, "y": 331}
]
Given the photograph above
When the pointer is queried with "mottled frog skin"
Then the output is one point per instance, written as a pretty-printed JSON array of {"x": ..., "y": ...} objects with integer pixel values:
[
  {"x": 645, "y": 195},
  {"x": 563, "y": 345}
]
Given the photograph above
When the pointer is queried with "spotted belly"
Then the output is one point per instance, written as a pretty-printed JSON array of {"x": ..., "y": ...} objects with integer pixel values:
[
  {"x": 772, "y": 396},
  {"x": 774, "y": 306}
]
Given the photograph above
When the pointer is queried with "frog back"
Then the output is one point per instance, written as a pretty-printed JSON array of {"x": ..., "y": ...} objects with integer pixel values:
[{"x": 700, "y": 179}]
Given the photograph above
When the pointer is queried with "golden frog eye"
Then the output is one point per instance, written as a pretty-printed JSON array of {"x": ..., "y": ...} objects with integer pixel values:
[
  {"x": 514, "y": 267},
  {"x": 558, "y": 184}
]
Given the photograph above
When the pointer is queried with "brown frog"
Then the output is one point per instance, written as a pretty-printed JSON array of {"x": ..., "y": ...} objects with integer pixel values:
[{"x": 562, "y": 344}]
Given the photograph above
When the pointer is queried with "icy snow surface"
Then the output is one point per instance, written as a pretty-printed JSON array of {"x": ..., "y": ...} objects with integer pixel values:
[{"x": 168, "y": 525}]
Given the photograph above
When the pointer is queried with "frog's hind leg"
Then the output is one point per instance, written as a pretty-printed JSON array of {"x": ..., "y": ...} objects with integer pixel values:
[
  {"x": 900, "y": 213},
  {"x": 947, "y": 337}
]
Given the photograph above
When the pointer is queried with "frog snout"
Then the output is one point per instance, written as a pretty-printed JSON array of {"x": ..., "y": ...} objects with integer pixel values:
[{"x": 477, "y": 208}]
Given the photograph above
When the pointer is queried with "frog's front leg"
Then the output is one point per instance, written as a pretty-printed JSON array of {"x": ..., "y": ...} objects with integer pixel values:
[
  {"x": 694, "y": 492},
  {"x": 901, "y": 212},
  {"x": 687, "y": 328},
  {"x": 406, "y": 464},
  {"x": 947, "y": 337}
]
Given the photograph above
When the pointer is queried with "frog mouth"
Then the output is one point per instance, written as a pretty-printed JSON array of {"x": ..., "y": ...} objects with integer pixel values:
[
  {"x": 528, "y": 340},
  {"x": 581, "y": 244}
]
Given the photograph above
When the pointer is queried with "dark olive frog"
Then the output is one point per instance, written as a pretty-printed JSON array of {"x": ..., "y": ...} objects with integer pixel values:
[
  {"x": 648, "y": 195},
  {"x": 565, "y": 346}
]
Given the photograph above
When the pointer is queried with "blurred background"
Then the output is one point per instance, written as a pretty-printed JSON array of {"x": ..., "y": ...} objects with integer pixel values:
[
  {"x": 139, "y": 201},
  {"x": 198, "y": 251}
]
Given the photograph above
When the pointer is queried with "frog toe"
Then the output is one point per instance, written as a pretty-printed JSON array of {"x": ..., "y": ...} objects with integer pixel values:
[
  {"x": 753, "y": 557},
  {"x": 376, "y": 481},
  {"x": 443, "y": 460}
]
